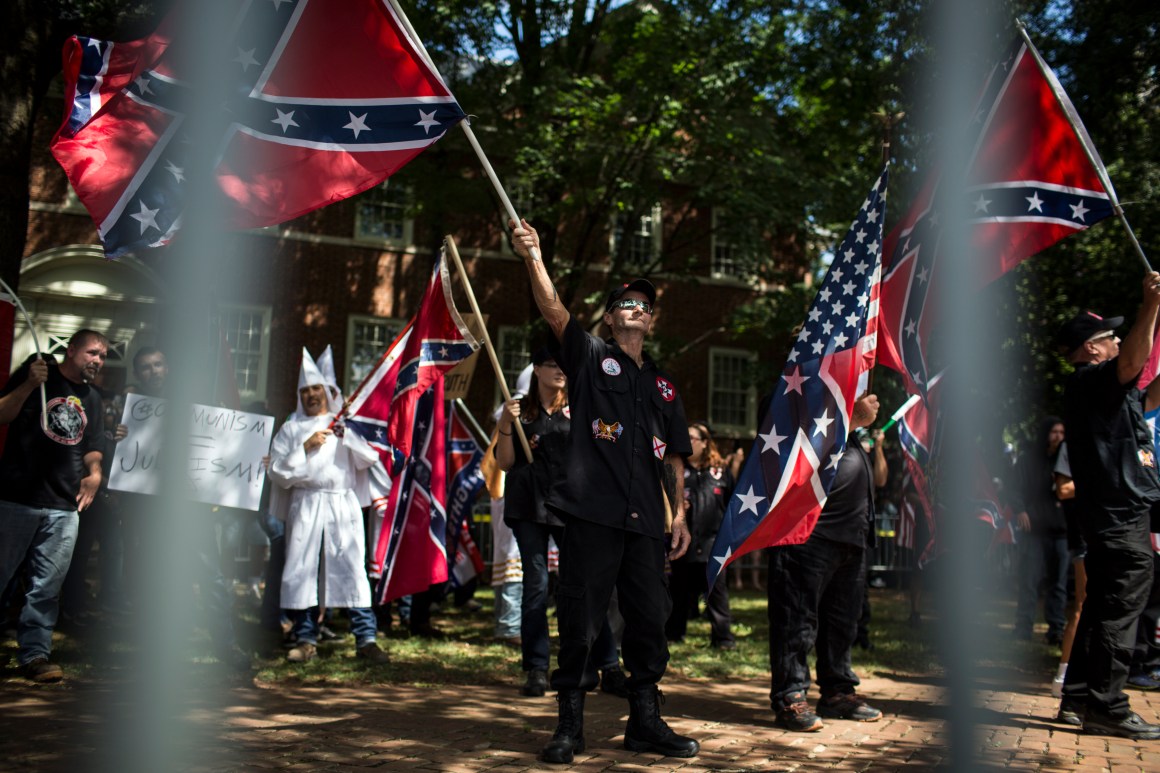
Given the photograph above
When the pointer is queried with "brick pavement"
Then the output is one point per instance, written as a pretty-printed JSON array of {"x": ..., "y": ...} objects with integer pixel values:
[{"x": 249, "y": 727}]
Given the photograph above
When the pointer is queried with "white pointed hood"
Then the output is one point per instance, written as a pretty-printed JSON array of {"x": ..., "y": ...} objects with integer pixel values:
[
  {"x": 326, "y": 367},
  {"x": 308, "y": 375}
]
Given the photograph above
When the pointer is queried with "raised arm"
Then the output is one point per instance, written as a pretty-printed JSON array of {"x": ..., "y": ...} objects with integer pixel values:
[
  {"x": 1138, "y": 343},
  {"x": 526, "y": 243}
]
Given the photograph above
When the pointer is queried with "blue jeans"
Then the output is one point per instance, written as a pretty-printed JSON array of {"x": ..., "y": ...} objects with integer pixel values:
[
  {"x": 532, "y": 539},
  {"x": 45, "y": 538},
  {"x": 507, "y": 609},
  {"x": 362, "y": 624}
]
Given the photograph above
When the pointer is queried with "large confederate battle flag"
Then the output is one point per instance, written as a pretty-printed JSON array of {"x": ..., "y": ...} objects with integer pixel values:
[
  {"x": 789, "y": 472},
  {"x": 1030, "y": 184},
  {"x": 331, "y": 97},
  {"x": 399, "y": 410}
]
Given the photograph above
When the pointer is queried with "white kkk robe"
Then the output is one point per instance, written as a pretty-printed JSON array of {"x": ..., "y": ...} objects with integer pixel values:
[{"x": 323, "y": 519}]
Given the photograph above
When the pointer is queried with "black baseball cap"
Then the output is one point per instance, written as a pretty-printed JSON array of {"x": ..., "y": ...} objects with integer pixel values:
[
  {"x": 1082, "y": 327},
  {"x": 542, "y": 355},
  {"x": 642, "y": 286}
]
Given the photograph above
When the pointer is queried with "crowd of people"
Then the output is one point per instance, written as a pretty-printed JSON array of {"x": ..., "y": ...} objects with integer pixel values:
[{"x": 612, "y": 517}]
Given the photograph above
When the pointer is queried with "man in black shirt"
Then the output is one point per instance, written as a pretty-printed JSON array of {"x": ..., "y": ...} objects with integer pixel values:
[
  {"x": 816, "y": 588},
  {"x": 50, "y": 472},
  {"x": 628, "y": 434},
  {"x": 1113, "y": 464}
]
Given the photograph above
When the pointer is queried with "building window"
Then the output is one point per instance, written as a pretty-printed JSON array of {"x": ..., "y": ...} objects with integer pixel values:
[
  {"x": 367, "y": 339},
  {"x": 513, "y": 355},
  {"x": 384, "y": 215},
  {"x": 724, "y": 259},
  {"x": 732, "y": 395},
  {"x": 636, "y": 237},
  {"x": 247, "y": 331}
]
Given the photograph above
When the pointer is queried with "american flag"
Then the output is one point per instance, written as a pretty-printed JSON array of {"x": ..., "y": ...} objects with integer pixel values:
[
  {"x": 1030, "y": 183},
  {"x": 791, "y": 467},
  {"x": 330, "y": 98}
]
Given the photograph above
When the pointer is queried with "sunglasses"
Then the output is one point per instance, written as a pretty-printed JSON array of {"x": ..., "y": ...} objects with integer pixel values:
[{"x": 633, "y": 303}]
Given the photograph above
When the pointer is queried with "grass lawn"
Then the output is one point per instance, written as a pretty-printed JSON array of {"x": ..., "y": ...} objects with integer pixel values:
[{"x": 470, "y": 654}]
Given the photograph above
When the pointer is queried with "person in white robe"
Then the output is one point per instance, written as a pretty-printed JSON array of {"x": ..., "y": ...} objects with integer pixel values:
[{"x": 325, "y": 536}]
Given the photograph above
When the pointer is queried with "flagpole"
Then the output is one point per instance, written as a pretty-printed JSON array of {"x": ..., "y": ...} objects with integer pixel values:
[
  {"x": 462, "y": 406},
  {"x": 465, "y": 124},
  {"x": 36, "y": 343},
  {"x": 487, "y": 341},
  {"x": 1084, "y": 141},
  {"x": 910, "y": 401}
]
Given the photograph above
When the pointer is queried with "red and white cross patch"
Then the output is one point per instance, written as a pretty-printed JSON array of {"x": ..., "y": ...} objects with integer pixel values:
[
  {"x": 659, "y": 447},
  {"x": 666, "y": 389}
]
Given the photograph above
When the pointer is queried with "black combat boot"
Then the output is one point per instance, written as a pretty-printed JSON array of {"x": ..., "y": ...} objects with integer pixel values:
[
  {"x": 647, "y": 732},
  {"x": 569, "y": 736}
]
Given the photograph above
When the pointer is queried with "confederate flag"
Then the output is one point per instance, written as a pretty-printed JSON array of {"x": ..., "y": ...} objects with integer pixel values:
[
  {"x": 1031, "y": 183},
  {"x": 331, "y": 97}
]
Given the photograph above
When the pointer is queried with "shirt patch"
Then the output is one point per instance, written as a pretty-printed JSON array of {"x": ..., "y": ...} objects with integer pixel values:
[
  {"x": 567, "y": 411},
  {"x": 602, "y": 431},
  {"x": 716, "y": 472},
  {"x": 1147, "y": 458},
  {"x": 66, "y": 420},
  {"x": 666, "y": 389},
  {"x": 534, "y": 441},
  {"x": 610, "y": 366},
  {"x": 659, "y": 447}
]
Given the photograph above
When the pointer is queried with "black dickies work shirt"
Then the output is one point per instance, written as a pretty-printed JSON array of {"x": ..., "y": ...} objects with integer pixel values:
[
  {"x": 625, "y": 420},
  {"x": 1109, "y": 447}
]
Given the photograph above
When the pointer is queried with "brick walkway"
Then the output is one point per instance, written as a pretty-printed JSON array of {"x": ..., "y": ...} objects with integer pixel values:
[{"x": 245, "y": 727}]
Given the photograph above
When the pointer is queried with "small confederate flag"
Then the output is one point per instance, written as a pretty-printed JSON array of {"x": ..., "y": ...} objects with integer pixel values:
[
  {"x": 788, "y": 474},
  {"x": 330, "y": 98}
]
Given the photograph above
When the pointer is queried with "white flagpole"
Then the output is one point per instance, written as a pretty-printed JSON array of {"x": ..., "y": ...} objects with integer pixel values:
[
  {"x": 465, "y": 124},
  {"x": 36, "y": 343},
  {"x": 1084, "y": 139}
]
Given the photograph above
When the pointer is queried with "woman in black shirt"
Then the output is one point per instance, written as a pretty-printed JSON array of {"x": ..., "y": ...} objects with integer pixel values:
[{"x": 709, "y": 481}]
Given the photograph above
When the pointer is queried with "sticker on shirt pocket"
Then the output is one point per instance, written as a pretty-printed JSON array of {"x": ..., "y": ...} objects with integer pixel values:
[{"x": 603, "y": 431}]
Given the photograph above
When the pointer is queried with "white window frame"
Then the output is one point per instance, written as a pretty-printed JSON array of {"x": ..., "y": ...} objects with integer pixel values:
[
  {"x": 408, "y": 222},
  {"x": 263, "y": 352},
  {"x": 718, "y": 244},
  {"x": 392, "y": 325},
  {"x": 717, "y": 422},
  {"x": 508, "y": 337},
  {"x": 647, "y": 226}
]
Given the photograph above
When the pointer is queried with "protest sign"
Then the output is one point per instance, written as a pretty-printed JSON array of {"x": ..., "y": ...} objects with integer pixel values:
[{"x": 224, "y": 460}]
